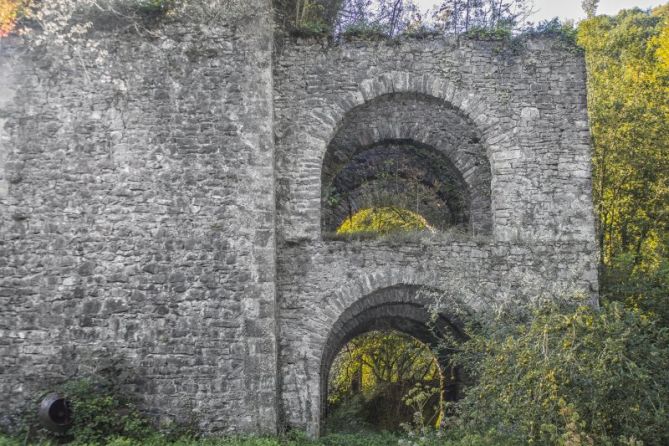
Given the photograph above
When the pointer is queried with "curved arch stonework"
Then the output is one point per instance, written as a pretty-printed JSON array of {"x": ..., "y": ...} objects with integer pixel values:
[
  {"x": 400, "y": 308},
  {"x": 399, "y": 174},
  {"x": 320, "y": 283},
  {"x": 432, "y": 136},
  {"x": 325, "y": 122},
  {"x": 305, "y": 369}
]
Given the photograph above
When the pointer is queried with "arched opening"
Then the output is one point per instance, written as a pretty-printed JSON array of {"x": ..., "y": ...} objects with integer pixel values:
[
  {"x": 401, "y": 314},
  {"x": 407, "y": 151}
]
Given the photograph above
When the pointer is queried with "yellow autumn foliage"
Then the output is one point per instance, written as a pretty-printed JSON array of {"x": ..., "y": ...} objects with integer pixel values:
[
  {"x": 382, "y": 220},
  {"x": 10, "y": 11}
]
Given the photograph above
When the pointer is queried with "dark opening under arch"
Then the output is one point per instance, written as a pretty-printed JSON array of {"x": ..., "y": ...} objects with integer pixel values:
[
  {"x": 411, "y": 151},
  {"x": 402, "y": 308}
]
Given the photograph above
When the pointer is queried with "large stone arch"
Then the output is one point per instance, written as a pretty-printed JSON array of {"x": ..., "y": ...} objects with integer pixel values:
[
  {"x": 469, "y": 103},
  {"x": 401, "y": 307},
  {"x": 299, "y": 196},
  {"x": 395, "y": 297},
  {"x": 427, "y": 141}
]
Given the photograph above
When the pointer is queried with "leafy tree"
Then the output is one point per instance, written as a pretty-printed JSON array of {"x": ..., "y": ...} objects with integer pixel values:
[
  {"x": 628, "y": 87},
  {"x": 387, "y": 17},
  {"x": 646, "y": 290},
  {"x": 590, "y": 7},
  {"x": 374, "y": 379},
  {"x": 393, "y": 17},
  {"x": 462, "y": 16}
]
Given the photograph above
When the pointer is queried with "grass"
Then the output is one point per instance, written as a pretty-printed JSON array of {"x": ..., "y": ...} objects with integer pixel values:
[
  {"x": 381, "y": 439},
  {"x": 299, "y": 439}
]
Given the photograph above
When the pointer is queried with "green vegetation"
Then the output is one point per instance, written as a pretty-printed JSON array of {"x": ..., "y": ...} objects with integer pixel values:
[
  {"x": 366, "y": 31},
  {"x": 628, "y": 87},
  {"x": 102, "y": 414},
  {"x": 387, "y": 19},
  {"x": 289, "y": 440},
  {"x": 624, "y": 282},
  {"x": 381, "y": 369},
  {"x": 569, "y": 375},
  {"x": 382, "y": 221},
  {"x": 359, "y": 439},
  {"x": 154, "y": 7}
]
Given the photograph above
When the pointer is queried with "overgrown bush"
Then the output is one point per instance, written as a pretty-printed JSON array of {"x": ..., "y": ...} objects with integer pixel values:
[
  {"x": 554, "y": 28},
  {"x": 364, "y": 31},
  {"x": 488, "y": 34},
  {"x": 646, "y": 289},
  {"x": 155, "y": 7},
  {"x": 100, "y": 414},
  {"x": 292, "y": 439},
  {"x": 573, "y": 376},
  {"x": 382, "y": 221},
  {"x": 311, "y": 29}
]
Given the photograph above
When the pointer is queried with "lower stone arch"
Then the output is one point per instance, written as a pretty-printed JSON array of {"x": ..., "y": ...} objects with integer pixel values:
[{"x": 404, "y": 308}]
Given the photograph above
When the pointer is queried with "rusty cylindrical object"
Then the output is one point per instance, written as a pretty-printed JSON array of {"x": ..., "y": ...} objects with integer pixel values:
[{"x": 54, "y": 413}]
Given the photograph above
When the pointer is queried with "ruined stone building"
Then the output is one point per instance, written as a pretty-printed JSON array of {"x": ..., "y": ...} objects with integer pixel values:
[{"x": 168, "y": 200}]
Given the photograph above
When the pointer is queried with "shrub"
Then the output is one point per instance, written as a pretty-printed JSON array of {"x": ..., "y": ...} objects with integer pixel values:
[
  {"x": 499, "y": 33},
  {"x": 100, "y": 414},
  {"x": 311, "y": 29},
  {"x": 364, "y": 31},
  {"x": 382, "y": 220},
  {"x": 647, "y": 289},
  {"x": 571, "y": 376},
  {"x": 154, "y": 7},
  {"x": 553, "y": 28}
]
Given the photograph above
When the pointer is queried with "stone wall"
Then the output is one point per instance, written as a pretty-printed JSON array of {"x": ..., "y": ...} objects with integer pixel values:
[
  {"x": 529, "y": 104},
  {"x": 138, "y": 200},
  {"x": 325, "y": 279},
  {"x": 526, "y": 102},
  {"x": 161, "y": 204}
]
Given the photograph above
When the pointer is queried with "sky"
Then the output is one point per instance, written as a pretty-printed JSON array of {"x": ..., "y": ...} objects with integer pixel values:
[{"x": 571, "y": 9}]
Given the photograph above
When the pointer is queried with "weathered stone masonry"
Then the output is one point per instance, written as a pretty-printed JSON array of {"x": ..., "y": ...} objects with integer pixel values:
[
  {"x": 529, "y": 108},
  {"x": 140, "y": 219},
  {"x": 164, "y": 204}
]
